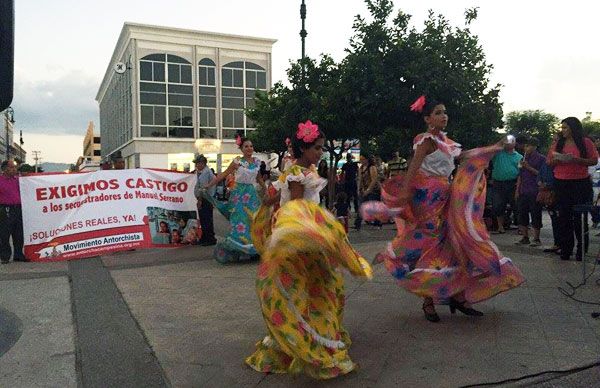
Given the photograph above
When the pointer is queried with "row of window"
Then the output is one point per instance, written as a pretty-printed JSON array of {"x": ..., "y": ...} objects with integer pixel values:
[{"x": 166, "y": 96}]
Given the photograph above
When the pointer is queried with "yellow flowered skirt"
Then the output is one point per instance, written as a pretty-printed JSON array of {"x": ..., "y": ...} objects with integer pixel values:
[{"x": 301, "y": 290}]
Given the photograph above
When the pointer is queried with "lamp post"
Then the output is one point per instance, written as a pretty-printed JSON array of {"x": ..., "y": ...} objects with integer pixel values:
[
  {"x": 303, "y": 32},
  {"x": 9, "y": 112}
]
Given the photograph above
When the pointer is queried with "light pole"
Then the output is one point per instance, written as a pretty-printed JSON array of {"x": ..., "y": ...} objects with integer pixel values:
[
  {"x": 303, "y": 32},
  {"x": 11, "y": 120}
]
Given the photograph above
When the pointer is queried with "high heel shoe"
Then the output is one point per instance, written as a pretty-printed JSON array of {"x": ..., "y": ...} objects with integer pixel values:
[
  {"x": 456, "y": 305},
  {"x": 430, "y": 316}
]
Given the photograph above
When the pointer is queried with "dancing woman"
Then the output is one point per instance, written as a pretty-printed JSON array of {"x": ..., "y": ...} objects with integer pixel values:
[
  {"x": 442, "y": 251},
  {"x": 243, "y": 202},
  {"x": 300, "y": 285}
]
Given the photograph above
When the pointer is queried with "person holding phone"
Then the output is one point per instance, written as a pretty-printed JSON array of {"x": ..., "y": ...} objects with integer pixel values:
[
  {"x": 505, "y": 170},
  {"x": 571, "y": 155}
]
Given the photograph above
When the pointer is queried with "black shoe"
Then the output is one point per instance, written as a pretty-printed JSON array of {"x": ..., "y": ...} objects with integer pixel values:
[
  {"x": 455, "y": 305},
  {"x": 4, "y": 262},
  {"x": 565, "y": 257},
  {"x": 19, "y": 259},
  {"x": 431, "y": 317},
  {"x": 208, "y": 243}
]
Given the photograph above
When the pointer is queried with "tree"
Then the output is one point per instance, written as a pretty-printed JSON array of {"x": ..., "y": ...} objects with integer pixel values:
[
  {"x": 590, "y": 127},
  {"x": 26, "y": 168},
  {"x": 366, "y": 97},
  {"x": 533, "y": 123},
  {"x": 389, "y": 66}
]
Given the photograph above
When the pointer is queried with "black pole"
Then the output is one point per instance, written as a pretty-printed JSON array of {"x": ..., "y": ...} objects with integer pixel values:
[
  {"x": 7, "y": 40},
  {"x": 303, "y": 31}
]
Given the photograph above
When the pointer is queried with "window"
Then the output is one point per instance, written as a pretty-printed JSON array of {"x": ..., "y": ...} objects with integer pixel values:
[
  {"x": 239, "y": 83},
  {"x": 97, "y": 152},
  {"x": 166, "y": 96},
  {"x": 207, "y": 99},
  {"x": 97, "y": 139}
]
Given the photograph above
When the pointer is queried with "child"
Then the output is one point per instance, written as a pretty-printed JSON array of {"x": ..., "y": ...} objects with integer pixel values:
[{"x": 341, "y": 208}]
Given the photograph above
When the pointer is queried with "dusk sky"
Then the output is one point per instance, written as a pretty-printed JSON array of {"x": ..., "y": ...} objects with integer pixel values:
[{"x": 545, "y": 55}]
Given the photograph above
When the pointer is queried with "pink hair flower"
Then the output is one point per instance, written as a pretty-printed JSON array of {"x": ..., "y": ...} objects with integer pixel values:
[
  {"x": 288, "y": 141},
  {"x": 307, "y": 132},
  {"x": 418, "y": 105},
  {"x": 238, "y": 140}
]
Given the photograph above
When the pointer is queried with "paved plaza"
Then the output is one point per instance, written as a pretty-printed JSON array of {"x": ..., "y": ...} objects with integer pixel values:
[{"x": 177, "y": 318}]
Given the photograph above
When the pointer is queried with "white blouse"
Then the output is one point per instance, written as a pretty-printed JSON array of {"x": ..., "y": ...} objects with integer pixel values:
[
  {"x": 312, "y": 182},
  {"x": 438, "y": 163},
  {"x": 441, "y": 161},
  {"x": 246, "y": 172}
]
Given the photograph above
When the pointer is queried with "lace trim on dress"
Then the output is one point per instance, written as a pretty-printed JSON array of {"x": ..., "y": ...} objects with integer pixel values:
[{"x": 445, "y": 145}]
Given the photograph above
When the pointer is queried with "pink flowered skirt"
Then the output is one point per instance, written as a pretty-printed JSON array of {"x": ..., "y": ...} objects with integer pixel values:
[{"x": 442, "y": 247}]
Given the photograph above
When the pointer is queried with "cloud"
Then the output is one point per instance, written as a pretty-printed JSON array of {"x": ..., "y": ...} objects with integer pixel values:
[{"x": 58, "y": 106}]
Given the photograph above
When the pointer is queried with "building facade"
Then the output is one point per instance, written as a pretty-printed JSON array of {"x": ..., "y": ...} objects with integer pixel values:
[
  {"x": 168, "y": 93},
  {"x": 92, "y": 154},
  {"x": 6, "y": 134}
]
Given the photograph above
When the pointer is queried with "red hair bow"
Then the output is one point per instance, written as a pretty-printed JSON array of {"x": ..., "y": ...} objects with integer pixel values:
[{"x": 418, "y": 105}]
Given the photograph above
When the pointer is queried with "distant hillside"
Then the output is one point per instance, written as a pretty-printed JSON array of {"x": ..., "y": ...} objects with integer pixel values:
[{"x": 55, "y": 167}]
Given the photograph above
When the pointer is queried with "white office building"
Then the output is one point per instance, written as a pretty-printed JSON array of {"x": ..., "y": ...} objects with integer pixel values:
[{"x": 168, "y": 93}]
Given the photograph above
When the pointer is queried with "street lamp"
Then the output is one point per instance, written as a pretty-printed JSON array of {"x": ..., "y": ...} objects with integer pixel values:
[
  {"x": 303, "y": 32},
  {"x": 9, "y": 111}
]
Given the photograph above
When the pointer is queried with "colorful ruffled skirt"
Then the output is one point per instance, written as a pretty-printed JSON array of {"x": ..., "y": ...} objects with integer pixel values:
[
  {"x": 301, "y": 290},
  {"x": 442, "y": 248},
  {"x": 239, "y": 210}
]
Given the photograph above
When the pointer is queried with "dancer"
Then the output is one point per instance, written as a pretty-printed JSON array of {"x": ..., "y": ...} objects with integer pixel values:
[
  {"x": 243, "y": 202},
  {"x": 442, "y": 251},
  {"x": 300, "y": 285}
]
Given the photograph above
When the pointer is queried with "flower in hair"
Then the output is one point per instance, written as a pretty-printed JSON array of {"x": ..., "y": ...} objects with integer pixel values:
[
  {"x": 418, "y": 105},
  {"x": 238, "y": 140},
  {"x": 307, "y": 132},
  {"x": 288, "y": 141}
]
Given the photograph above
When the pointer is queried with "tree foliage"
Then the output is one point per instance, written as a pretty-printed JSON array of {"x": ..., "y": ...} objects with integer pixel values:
[
  {"x": 533, "y": 123},
  {"x": 591, "y": 127},
  {"x": 367, "y": 95}
]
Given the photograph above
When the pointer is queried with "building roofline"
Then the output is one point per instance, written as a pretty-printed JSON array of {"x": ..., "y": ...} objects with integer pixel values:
[{"x": 130, "y": 28}]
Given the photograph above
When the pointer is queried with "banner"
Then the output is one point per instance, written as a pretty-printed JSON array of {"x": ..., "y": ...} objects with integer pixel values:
[{"x": 72, "y": 216}]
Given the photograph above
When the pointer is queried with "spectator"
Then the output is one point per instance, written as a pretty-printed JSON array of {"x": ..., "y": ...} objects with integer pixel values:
[
  {"x": 369, "y": 187},
  {"x": 546, "y": 196},
  {"x": 527, "y": 191},
  {"x": 106, "y": 164},
  {"x": 341, "y": 209},
  {"x": 396, "y": 165},
  {"x": 323, "y": 171},
  {"x": 571, "y": 156},
  {"x": 11, "y": 220},
  {"x": 118, "y": 161},
  {"x": 505, "y": 169},
  {"x": 380, "y": 169},
  {"x": 350, "y": 173},
  {"x": 205, "y": 209}
]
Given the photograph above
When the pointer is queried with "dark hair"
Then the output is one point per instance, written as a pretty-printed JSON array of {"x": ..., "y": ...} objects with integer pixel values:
[
  {"x": 430, "y": 105},
  {"x": 531, "y": 141},
  {"x": 4, "y": 164},
  {"x": 299, "y": 144},
  {"x": 322, "y": 168},
  {"x": 370, "y": 159},
  {"x": 243, "y": 138},
  {"x": 576, "y": 132}
]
